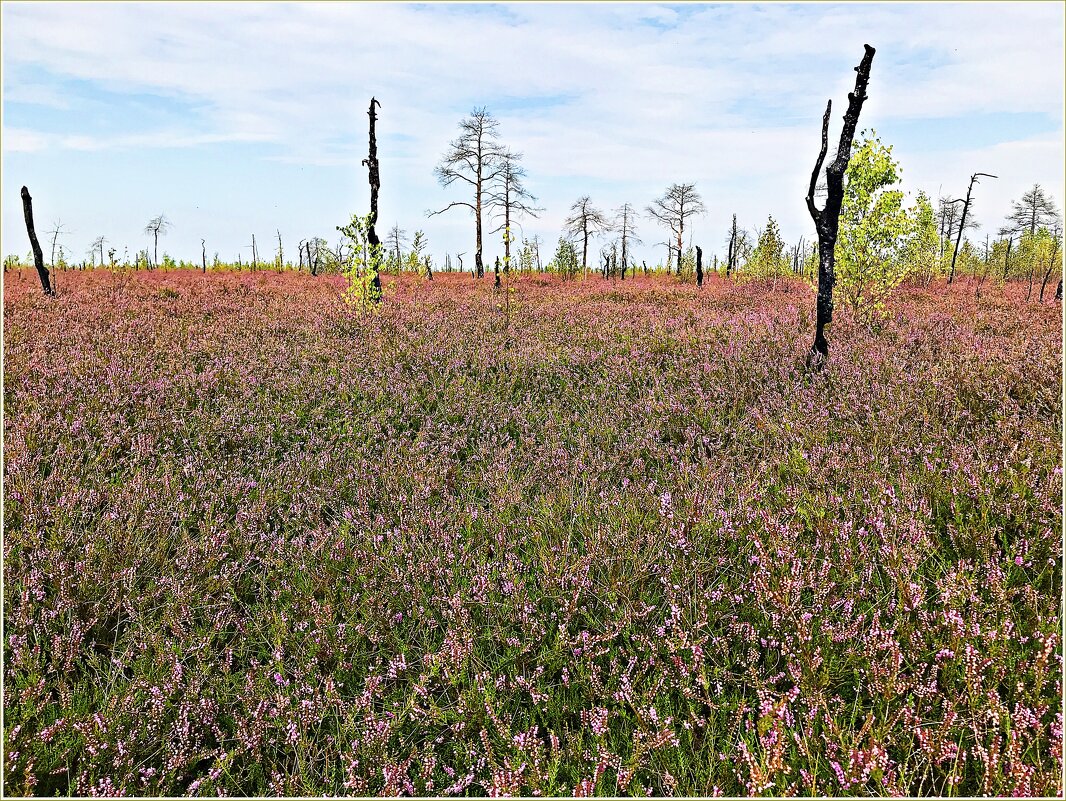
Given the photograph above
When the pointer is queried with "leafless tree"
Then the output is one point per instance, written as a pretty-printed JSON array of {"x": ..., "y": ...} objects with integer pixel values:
[
  {"x": 585, "y": 221},
  {"x": 678, "y": 203},
  {"x": 975, "y": 178},
  {"x": 374, "y": 176},
  {"x": 38, "y": 256},
  {"x": 474, "y": 159},
  {"x": 203, "y": 254},
  {"x": 396, "y": 239},
  {"x": 624, "y": 223},
  {"x": 1057, "y": 236},
  {"x": 98, "y": 247},
  {"x": 508, "y": 197},
  {"x": 827, "y": 220},
  {"x": 157, "y": 227}
]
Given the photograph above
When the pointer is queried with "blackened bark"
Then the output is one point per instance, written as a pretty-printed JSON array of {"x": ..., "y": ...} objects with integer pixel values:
[
  {"x": 1058, "y": 291},
  {"x": 203, "y": 254},
  {"x": 962, "y": 225},
  {"x": 1050, "y": 267},
  {"x": 699, "y": 266},
  {"x": 371, "y": 163},
  {"x": 732, "y": 248},
  {"x": 38, "y": 256},
  {"x": 827, "y": 221},
  {"x": 496, "y": 285}
]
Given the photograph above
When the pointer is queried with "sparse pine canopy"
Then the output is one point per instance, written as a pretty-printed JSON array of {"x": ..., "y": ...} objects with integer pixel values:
[
  {"x": 585, "y": 221},
  {"x": 678, "y": 203},
  {"x": 1034, "y": 210}
]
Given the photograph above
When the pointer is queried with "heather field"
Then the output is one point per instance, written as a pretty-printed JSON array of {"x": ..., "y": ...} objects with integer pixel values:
[{"x": 578, "y": 538}]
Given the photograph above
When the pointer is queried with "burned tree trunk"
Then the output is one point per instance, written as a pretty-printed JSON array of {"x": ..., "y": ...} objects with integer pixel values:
[
  {"x": 827, "y": 220},
  {"x": 203, "y": 255},
  {"x": 38, "y": 256},
  {"x": 375, "y": 184},
  {"x": 1050, "y": 267},
  {"x": 496, "y": 285},
  {"x": 732, "y": 248},
  {"x": 699, "y": 266},
  {"x": 962, "y": 225},
  {"x": 1058, "y": 291}
]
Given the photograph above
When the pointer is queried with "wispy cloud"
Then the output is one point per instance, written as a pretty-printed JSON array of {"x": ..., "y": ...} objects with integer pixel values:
[{"x": 623, "y": 97}]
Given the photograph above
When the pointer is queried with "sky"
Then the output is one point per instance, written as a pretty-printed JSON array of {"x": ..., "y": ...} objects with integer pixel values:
[{"x": 250, "y": 118}]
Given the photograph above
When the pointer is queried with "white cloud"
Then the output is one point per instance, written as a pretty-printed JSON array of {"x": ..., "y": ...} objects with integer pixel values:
[{"x": 729, "y": 96}]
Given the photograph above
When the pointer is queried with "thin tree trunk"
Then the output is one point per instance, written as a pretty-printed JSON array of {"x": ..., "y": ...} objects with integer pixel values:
[
  {"x": 1050, "y": 267},
  {"x": 496, "y": 285},
  {"x": 38, "y": 256},
  {"x": 203, "y": 254},
  {"x": 699, "y": 267}
]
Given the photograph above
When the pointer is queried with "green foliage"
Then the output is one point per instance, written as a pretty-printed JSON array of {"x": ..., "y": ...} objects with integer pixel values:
[
  {"x": 413, "y": 262},
  {"x": 526, "y": 257},
  {"x": 362, "y": 266},
  {"x": 768, "y": 260},
  {"x": 922, "y": 245},
  {"x": 565, "y": 260},
  {"x": 12, "y": 262},
  {"x": 875, "y": 230}
]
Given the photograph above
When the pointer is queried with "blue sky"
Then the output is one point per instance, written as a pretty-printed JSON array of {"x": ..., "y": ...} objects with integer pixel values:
[{"x": 234, "y": 119}]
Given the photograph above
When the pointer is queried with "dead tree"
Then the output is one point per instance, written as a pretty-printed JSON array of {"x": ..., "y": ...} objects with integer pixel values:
[
  {"x": 731, "y": 257},
  {"x": 678, "y": 203},
  {"x": 1050, "y": 265},
  {"x": 281, "y": 254},
  {"x": 157, "y": 226},
  {"x": 827, "y": 221},
  {"x": 371, "y": 162},
  {"x": 38, "y": 256},
  {"x": 585, "y": 221},
  {"x": 203, "y": 254},
  {"x": 624, "y": 225},
  {"x": 507, "y": 198},
  {"x": 699, "y": 267},
  {"x": 496, "y": 285},
  {"x": 474, "y": 159},
  {"x": 962, "y": 225}
]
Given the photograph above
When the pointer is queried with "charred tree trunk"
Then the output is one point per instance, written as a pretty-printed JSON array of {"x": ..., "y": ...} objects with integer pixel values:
[
  {"x": 1058, "y": 291},
  {"x": 1006, "y": 258},
  {"x": 1050, "y": 267},
  {"x": 730, "y": 258},
  {"x": 496, "y": 284},
  {"x": 281, "y": 255},
  {"x": 962, "y": 224},
  {"x": 38, "y": 256},
  {"x": 645, "y": 266},
  {"x": 827, "y": 220},
  {"x": 699, "y": 267},
  {"x": 375, "y": 184}
]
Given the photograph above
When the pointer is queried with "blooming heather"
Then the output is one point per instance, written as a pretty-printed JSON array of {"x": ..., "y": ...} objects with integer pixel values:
[{"x": 602, "y": 538}]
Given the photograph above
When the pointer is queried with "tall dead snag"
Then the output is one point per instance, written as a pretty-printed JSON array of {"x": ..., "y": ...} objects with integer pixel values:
[
  {"x": 496, "y": 284},
  {"x": 962, "y": 225},
  {"x": 699, "y": 267},
  {"x": 38, "y": 256},
  {"x": 371, "y": 163},
  {"x": 827, "y": 221},
  {"x": 203, "y": 254}
]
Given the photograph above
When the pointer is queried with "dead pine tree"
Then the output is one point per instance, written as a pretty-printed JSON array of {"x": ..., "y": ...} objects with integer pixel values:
[
  {"x": 374, "y": 176},
  {"x": 1050, "y": 263},
  {"x": 281, "y": 254},
  {"x": 827, "y": 220},
  {"x": 203, "y": 254},
  {"x": 496, "y": 284},
  {"x": 732, "y": 254},
  {"x": 962, "y": 225},
  {"x": 38, "y": 256},
  {"x": 699, "y": 267}
]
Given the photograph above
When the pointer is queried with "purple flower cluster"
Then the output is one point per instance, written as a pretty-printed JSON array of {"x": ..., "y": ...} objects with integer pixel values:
[{"x": 602, "y": 539}]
